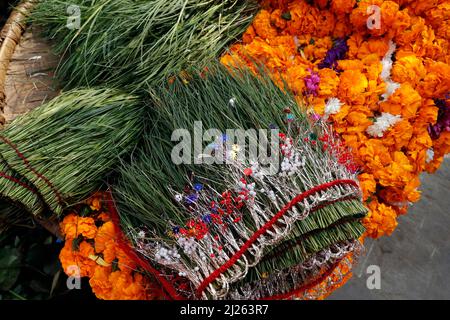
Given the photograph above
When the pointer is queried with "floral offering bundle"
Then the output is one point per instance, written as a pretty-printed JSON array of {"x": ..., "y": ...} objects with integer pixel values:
[
  {"x": 228, "y": 223},
  {"x": 136, "y": 43},
  {"x": 61, "y": 152},
  {"x": 177, "y": 177}
]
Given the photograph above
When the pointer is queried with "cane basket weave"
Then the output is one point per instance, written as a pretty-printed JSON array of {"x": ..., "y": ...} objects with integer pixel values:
[{"x": 26, "y": 75}]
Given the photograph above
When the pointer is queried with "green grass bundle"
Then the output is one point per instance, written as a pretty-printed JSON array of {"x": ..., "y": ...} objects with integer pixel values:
[
  {"x": 192, "y": 219},
  {"x": 137, "y": 43},
  {"x": 62, "y": 151}
]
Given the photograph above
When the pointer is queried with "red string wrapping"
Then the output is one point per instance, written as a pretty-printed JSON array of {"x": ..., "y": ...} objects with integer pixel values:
[
  {"x": 17, "y": 181},
  {"x": 28, "y": 165},
  {"x": 266, "y": 227},
  {"x": 125, "y": 246}
]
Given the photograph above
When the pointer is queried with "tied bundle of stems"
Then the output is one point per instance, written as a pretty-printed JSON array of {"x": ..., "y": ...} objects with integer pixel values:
[
  {"x": 137, "y": 43},
  {"x": 62, "y": 151},
  {"x": 222, "y": 100}
]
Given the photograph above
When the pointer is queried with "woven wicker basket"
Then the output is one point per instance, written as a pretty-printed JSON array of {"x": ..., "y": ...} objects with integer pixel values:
[
  {"x": 26, "y": 74},
  {"x": 26, "y": 66}
]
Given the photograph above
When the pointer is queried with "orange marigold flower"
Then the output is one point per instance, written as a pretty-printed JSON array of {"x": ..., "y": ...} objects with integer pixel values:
[
  {"x": 368, "y": 184},
  {"x": 72, "y": 258},
  {"x": 303, "y": 18},
  {"x": 398, "y": 173},
  {"x": 381, "y": 219},
  {"x": 436, "y": 83},
  {"x": 72, "y": 226},
  {"x": 420, "y": 7},
  {"x": 342, "y": 6},
  {"x": 277, "y": 20},
  {"x": 325, "y": 24},
  {"x": 398, "y": 136},
  {"x": 106, "y": 233},
  {"x": 374, "y": 155},
  {"x": 100, "y": 284},
  {"x": 329, "y": 82},
  {"x": 408, "y": 69},
  {"x": 352, "y": 86},
  {"x": 249, "y": 35},
  {"x": 95, "y": 203},
  {"x": 405, "y": 101},
  {"x": 262, "y": 25}
]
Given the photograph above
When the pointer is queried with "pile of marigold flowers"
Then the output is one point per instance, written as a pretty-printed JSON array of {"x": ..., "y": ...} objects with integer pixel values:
[
  {"x": 91, "y": 250},
  {"x": 383, "y": 84}
]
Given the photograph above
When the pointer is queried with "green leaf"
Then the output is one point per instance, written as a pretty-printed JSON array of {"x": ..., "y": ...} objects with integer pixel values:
[
  {"x": 48, "y": 240},
  {"x": 55, "y": 282},
  {"x": 286, "y": 15},
  {"x": 16, "y": 241},
  {"x": 9, "y": 267}
]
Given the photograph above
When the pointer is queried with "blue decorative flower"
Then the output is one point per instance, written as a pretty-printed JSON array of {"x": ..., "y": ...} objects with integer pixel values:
[
  {"x": 198, "y": 186},
  {"x": 192, "y": 198},
  {"x": 176, "y": 229},
  {"x": 224, "y": 137},
  {"x": 207, "y": 218},
  {"x": 337, "y": 52}
]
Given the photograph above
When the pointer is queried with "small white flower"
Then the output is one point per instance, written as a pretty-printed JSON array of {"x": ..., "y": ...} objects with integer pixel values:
[
  {"x": 141, "y": 234},
  {"x": 232, "y": 102},
  {"x": 391, "y": 86},
  {"x": 382, "y": 123},
  {"x": 385, "y": 75},
  {"x": 333, "y": 106},
  {"x": 430, "y": 155}
]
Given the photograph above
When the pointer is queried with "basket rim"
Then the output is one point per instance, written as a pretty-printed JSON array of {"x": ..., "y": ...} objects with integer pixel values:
[{"x": 10, "y": 36}]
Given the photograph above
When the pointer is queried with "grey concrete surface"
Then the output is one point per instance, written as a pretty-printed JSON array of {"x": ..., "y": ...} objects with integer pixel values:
[{"x": 415, "y": 260}]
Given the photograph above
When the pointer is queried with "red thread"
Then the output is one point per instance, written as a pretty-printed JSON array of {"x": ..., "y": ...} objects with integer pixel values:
[
  {"x": 266, "y": 227},
  {"x": 24, "y": 185},
  {"x": 27, "y": 164},
  {"x": 124, "y": 245}
]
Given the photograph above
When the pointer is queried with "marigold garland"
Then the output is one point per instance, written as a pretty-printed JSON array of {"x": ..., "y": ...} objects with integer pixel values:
[
  {"x": 91, "y": 245},
  {"x": 298, "y": 39}
]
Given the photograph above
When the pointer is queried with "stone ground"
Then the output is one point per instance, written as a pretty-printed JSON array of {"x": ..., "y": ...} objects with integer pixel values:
[{"x": 415, "y": 261}]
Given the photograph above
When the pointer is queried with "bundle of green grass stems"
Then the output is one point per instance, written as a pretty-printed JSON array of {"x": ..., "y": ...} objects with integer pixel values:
[
  {"x": 135, "y": 43},
  {"x": 182, "y": 208},
  {"x": 138, "y": 71}
]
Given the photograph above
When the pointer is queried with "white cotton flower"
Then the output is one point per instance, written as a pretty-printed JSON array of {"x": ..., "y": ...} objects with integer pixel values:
[
  {"x": 386, "y": 62},
  {"x": 385, "y": 75},
  {"x": 386, "y": 70},
  {"x": 430, "y": 155},
  {"x": 333, "y": 106},
  {"x": 391, "y": 50},
  {"x": 391, "y": 86},
  {"x": 382, "y": 123}
]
